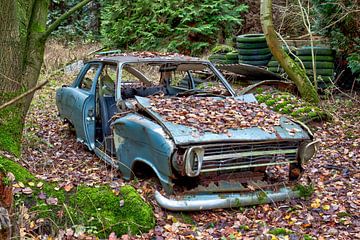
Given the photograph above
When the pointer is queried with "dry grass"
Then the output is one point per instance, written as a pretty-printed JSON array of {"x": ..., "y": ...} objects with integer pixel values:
[{"x": 58, "y": 54}]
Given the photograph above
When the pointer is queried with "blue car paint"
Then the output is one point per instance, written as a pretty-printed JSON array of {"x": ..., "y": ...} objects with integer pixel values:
[{"x": 138, "y": 139}]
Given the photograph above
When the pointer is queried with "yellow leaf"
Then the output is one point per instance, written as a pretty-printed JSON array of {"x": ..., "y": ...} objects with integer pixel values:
[
  {"x": 32, "y": 224},
  {"x": 273, "y": 237},
  {"x": 326, "y": 207},
  {"x": 40, "y": 184},
  {"x": 31, "y": 184},
  {"x": 288, "y": 216},
  {"x": 21, "y": 185},
  {"x": 316, "y": 203}
]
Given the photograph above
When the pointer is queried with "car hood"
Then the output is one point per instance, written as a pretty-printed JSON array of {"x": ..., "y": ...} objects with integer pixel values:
[{"x": 183, "y": 135}]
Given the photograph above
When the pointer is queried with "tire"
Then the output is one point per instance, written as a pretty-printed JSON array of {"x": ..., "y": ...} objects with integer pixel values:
[
  {"x": 319, "y": 65},
  {"x": 260, "y": 51},
  {"x": 273, "y": 63},
  {"x": 317, "y": 58},
  {"x": 275, "y": 69},
  {"x": 232, "y": 56},
  {"x": 251, "y": 38},
  {"x": 323, "y": 51},
  {"x": 255, "y": 57},
  {"x": 255, "y": 63},
  {"x": 322, "y": 72},
  {"x": 251, "y": 45}
]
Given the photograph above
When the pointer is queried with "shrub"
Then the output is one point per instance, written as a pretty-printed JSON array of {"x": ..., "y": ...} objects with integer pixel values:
[{"x": 183, "y": 26}]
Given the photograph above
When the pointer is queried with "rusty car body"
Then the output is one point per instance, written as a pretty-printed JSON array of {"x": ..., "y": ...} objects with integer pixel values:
[{"x": 108, "y": 104}]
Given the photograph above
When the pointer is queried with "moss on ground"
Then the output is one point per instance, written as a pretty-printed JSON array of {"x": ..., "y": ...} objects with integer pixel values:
[
  {"x": 97, "y": 210},
  {"x": 286, "y": 103}
]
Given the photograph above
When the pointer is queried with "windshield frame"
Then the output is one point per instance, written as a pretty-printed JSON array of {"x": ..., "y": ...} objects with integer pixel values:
[{"x": 216, "y": 72}]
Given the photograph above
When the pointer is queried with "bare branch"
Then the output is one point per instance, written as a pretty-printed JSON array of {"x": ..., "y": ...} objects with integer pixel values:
[
  {"x": 14, "y": 100},
  {"x": 63, "y": 17}
]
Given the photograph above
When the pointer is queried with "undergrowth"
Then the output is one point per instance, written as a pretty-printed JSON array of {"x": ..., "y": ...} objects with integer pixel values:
[{"x": 89, "y": 210}]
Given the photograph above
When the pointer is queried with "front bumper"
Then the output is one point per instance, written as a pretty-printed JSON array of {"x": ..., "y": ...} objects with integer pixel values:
[{"x": 213, "y": 201}]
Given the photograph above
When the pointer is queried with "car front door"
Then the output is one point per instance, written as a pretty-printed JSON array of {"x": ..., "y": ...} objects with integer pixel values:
[{"x": 83, "y": 115}]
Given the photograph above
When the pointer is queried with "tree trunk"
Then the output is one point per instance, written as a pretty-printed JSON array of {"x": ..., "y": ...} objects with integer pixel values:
[
  {"x": 294, "y": 71},
  {"x": 23, "y": 34},
  {"x": 10, "y": 56}
]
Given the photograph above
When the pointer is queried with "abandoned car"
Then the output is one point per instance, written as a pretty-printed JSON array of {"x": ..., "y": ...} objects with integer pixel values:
[{"x": 179, "y": 117}]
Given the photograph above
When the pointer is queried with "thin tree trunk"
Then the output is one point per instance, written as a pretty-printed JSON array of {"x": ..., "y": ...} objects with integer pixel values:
[{"x": 294, "y": 71}]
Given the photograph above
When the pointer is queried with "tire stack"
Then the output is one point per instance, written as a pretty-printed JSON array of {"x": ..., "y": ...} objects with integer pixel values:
[
  {"x": 253, "y": 49},
  {"x": 324, "y": 63},
  {"x": 224, "y": 58},
  {"x": 274, "y": 66}
]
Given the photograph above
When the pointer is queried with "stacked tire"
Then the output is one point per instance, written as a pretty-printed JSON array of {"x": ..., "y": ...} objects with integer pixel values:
[
  {"x": 274, "y": 66},
  {"x": 324, "y": 64},
  {"x": 224, "y": 58},
  {"x": 253, "y": 49}
]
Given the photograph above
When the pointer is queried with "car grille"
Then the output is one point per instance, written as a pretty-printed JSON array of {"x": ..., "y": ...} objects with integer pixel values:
[{"x": 243, "y": 156}]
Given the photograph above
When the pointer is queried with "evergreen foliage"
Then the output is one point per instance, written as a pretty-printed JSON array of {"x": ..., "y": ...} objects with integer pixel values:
[
  {"x": 82, "y": 25},
  {"x": 339, "y": 21},
  {"x": 177, "y": 25}
]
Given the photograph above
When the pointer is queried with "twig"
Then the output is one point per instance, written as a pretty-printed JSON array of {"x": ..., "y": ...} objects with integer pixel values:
[
  {"x": 67, "y": 210},
  {"x": 291, "y": 53},
  {"x": 14, "y": 100},
  {"x": 306, "y": 21}
]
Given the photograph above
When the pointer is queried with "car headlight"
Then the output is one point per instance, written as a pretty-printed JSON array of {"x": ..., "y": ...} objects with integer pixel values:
[
  {"x": 307, "y": 150},
  {"x": 193, "y": 161}
]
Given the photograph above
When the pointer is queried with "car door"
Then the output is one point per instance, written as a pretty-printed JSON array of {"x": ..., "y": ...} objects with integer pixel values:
[{"x": 83, "y": 100}]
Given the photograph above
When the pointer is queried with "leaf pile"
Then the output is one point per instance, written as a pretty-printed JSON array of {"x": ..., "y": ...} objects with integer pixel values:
[{"x": 207, "y": 114}]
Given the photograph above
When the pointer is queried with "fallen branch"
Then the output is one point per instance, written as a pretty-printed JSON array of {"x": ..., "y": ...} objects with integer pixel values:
[{"x": 14, "y": 100}]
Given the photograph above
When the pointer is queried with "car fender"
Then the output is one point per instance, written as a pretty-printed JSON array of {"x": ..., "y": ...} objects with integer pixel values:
[{"x": 137, "y": 138}]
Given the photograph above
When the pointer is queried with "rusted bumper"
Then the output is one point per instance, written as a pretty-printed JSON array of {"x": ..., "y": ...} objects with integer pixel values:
[{"x": 213, "y": 201}]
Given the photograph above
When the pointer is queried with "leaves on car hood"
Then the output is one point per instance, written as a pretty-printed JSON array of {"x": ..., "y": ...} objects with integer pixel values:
[{"x": 209, "y": 114}]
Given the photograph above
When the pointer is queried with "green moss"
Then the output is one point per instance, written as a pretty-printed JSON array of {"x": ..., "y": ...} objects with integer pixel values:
[
  {"x": 20, "y": 173},
  {"x": 11, "y": 125},
  {"x": 270, "y": 102},
  {"x": 98, "y": 210},
  {"x": 308, "y": 237},
  {"x": 107, "y": 214},
  {"x": 280, "y": 231},
  {"x": 263, "y": 98},
  {"x": 305, "y": 190}
]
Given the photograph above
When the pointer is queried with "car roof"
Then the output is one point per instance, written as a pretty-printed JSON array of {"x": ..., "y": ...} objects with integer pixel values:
[{"x": 147, "y": 57}]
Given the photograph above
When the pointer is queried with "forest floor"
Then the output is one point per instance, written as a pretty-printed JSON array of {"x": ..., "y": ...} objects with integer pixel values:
[{"x": 51, "y": 152}]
